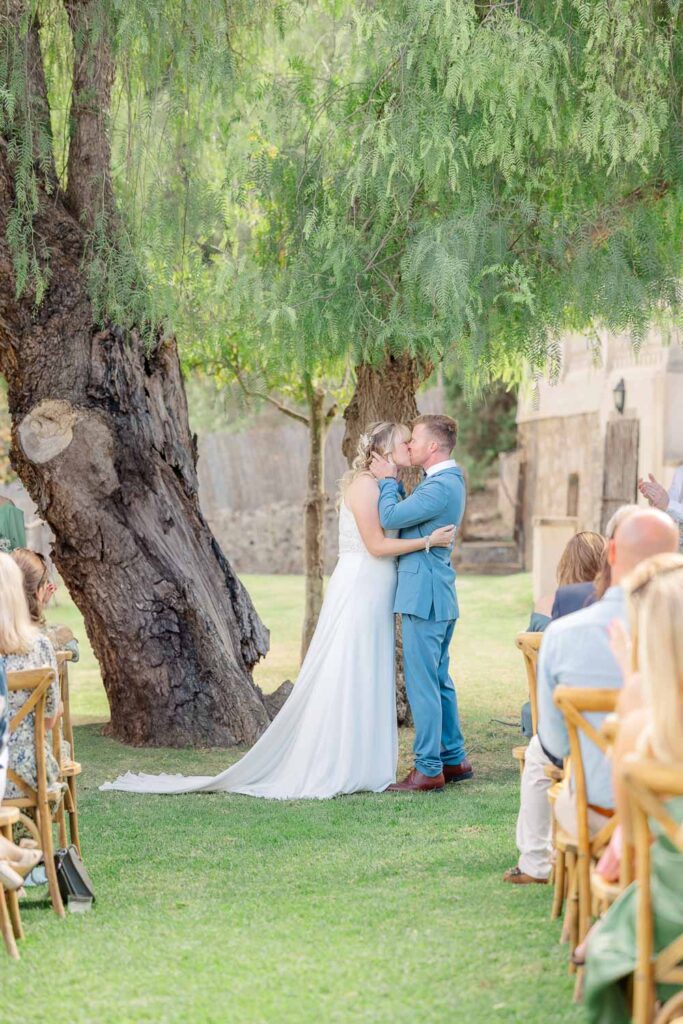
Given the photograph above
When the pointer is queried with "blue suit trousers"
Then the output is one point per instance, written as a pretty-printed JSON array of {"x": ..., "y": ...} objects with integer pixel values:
[{"x": 431, "y": 694}]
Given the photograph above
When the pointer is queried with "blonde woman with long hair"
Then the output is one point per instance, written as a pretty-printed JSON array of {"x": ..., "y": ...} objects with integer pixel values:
[
  {"x": 337, "y": 731},
  {"x": 655, "y": 729},
  {"x": 651, "y": 702},
  {"x": 22, "y": 646}
]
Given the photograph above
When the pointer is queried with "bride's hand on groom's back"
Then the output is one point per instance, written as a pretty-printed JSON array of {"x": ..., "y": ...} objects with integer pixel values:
[{"x": 443, "y": 537}]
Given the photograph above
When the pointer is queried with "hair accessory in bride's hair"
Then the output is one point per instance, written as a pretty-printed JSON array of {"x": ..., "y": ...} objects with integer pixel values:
[{"x": 364, "y": 442}]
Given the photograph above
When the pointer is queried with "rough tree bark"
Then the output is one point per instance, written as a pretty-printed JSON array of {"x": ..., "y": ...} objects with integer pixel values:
[
  {"x": 101, "y": 441},
  {"x": 387, "y": 391},
  {"x": 314, "y": 510}
]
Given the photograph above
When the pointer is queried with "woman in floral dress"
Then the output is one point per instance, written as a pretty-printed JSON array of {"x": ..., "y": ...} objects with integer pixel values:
[{"x": 25, "y": 647}]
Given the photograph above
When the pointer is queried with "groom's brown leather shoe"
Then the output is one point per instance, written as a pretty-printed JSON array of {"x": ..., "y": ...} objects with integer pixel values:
[
  {"x": 416, "y": 782},
  {"x": 458, "y": 772}
]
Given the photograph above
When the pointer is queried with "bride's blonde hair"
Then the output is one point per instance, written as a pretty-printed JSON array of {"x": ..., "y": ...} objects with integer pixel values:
[{"x": 378, "y": 437}]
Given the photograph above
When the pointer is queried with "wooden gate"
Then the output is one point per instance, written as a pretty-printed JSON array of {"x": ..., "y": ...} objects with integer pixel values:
[{"x": 620, "y": 479}]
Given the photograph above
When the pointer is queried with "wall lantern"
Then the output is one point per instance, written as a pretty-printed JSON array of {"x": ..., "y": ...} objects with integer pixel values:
[{"x": 619, "y": 393}]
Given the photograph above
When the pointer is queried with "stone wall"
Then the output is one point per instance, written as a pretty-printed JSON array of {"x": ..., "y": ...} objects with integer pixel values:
[
  {"x": 263, "y": 466},
  {"x": 270, "y": 539}
]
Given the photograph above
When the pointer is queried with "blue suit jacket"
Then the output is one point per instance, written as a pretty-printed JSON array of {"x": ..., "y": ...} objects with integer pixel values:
[
  {"x": 425, "y": 579},
  {"x": 572, "y": 598}
]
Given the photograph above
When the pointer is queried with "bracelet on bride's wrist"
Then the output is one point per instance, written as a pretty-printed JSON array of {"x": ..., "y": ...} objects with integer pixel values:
[{"x": 428, "y": 544}]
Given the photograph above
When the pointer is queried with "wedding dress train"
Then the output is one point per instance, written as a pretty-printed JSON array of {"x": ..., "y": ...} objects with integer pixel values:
[{"x": 337, "y": 730}]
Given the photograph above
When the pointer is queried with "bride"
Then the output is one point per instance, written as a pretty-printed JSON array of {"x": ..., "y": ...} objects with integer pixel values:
[{"x": 337, "y": 731}]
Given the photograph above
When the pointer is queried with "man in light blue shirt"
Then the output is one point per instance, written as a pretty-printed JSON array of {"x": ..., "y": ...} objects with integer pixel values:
[{"x": 576, "y": 652}]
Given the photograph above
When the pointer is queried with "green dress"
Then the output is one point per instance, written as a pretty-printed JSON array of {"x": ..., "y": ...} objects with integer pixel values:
[
  {"x": 12, "y": 531},
  {"x": 611, "y": 955}
]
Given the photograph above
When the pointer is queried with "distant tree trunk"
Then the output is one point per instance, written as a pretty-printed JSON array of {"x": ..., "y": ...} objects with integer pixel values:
[
  {"x": 387, "y": 391},
  {"x": 102, "y": 443},
  {"x": 314, "y": 511}
]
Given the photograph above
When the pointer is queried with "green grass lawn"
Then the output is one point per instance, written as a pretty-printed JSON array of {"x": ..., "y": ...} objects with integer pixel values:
[{"x": 370, "y": 908}]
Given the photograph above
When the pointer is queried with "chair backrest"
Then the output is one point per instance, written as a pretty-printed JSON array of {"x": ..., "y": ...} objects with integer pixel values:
[
  {"x": 38, "y": 682},
  {"x": 63, "y": 659},
  {"x": 649, "y": 785},
  {"x": 529, "y": 644},
  {"x": 575, "y": 703}
]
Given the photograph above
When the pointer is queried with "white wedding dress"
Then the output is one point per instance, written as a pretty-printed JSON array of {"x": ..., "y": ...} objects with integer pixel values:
[{"x": 337, "y": 730}]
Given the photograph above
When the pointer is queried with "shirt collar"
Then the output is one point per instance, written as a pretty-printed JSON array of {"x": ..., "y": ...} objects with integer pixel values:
[{"x": 439, "y": 466}]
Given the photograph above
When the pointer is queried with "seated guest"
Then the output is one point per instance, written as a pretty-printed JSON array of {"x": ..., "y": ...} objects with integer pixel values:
[
  {"x": 12, "y": 529},
  {"x": 14, "y": 861},
  {"x": 39, "y": 592},
  {"x": 603, "y": 580},
  {"x": 578, "y": 654},
  {"x": 655, "y": 728},
  {"x": 581, "y": 562},
  {"x": 577, "y": 569},
  {"x": 23, "y": 646}
]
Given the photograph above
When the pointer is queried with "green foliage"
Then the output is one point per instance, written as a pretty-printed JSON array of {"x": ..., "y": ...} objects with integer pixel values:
[
  {"x": 518, "y": 167},
  {"x": 464, "y": 181},
  {"x": 487, "y": 425},
  {"x": 172, "y": 57},
  {"x": 29, "y": 147}
]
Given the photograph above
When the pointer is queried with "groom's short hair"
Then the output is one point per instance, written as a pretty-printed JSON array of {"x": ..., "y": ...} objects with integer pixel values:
[{"x": 443, "y": 429}]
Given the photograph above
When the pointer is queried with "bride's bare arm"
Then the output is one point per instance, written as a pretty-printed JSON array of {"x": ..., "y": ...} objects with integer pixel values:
[{"x": 362, "y": 497}]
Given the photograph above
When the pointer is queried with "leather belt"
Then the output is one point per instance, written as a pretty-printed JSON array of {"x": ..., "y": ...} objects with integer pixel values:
[{"x": 607, "y": 812}]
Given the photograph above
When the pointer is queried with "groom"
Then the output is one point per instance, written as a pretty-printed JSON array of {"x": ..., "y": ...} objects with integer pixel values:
[{"x": 426, "y": 600}]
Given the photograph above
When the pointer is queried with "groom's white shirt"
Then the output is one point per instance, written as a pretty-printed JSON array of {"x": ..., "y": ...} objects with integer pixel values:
[{"x": 446, "y": 464}]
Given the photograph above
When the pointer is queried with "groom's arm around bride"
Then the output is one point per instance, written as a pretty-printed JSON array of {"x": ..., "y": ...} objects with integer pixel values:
[{"x": 426, "y": 599}]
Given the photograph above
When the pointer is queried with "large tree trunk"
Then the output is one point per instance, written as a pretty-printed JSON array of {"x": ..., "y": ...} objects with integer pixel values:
[
  {"x": 314, "y": 516},
  {"x": 387, "y": 391},
  {"x": 102, "y": 443}
]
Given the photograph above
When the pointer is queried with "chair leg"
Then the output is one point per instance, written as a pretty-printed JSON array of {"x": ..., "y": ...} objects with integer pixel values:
[
  {"x": 60, "y": 818},
  {"x": 45, "y": 822},
  {"x": 72, "y": 810},
  {"x": 15, "y": 916},
  {"x": 560, "y": 882},
  {"x": 570, "y": 926},
  {"x": 578, "y": 986},
  {"x": 6, "y": 927},
  {"x": 11, "y": 898},
  {"x": 585, "y": 896}
]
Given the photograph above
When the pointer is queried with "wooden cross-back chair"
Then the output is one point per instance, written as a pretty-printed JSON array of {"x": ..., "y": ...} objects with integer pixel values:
[
  {"x": 575, "y": 704},
  {"x": 10, "y": 919},
  {"x": 69, "y": 769},
  {"x": 649, "y": 785},
  {"x": 529, "y": 644},
  {"x": 604, "y": 893},
  {"x": 42, "y": 802}
]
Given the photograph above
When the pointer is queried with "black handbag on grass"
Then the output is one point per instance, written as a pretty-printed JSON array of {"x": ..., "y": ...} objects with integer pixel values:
[{"x": 72, "y": 877}]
